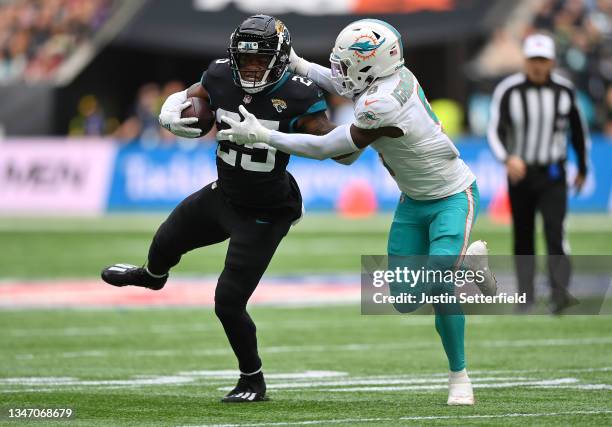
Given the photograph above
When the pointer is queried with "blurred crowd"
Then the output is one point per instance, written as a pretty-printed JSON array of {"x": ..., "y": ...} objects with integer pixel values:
[
  {"x": 36, "y": 36},
  {"x": 582, "y": 30},
  {"x": 141, "y": 122},
  {"x": 583, "y": 33}
]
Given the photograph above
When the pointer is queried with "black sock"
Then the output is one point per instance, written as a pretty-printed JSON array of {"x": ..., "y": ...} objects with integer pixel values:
[{"x": 257, "y": 378}]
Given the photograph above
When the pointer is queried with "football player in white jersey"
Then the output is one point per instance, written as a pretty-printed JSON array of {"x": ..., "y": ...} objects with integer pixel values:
[{"x": 439, "y": 200}]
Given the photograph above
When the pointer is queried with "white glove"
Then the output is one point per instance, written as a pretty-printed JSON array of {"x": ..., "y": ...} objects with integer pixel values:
[
  {"x": 248, "y": 131},
  {"x": 298, "y": 65},
  {"x": 170, "y": 116}
]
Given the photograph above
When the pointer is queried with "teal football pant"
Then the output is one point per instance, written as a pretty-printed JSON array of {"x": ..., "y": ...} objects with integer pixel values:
[{"x": 442, "y": 228}]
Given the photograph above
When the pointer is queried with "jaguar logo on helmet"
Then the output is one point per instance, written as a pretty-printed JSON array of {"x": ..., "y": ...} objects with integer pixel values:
[{"x": 280, "y": 27}]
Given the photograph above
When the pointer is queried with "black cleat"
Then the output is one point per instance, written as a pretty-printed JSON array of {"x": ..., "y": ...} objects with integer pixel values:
[
  {"x": 250, "y": 388},
  {"x": 559, "y": 307},
  {"x": 131, "y": 275}
]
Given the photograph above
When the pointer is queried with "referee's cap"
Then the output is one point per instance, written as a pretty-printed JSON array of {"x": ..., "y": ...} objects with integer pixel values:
[{"x": 539, "y": 46}]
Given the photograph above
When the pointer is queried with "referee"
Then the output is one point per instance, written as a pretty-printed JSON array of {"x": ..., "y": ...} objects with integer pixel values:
[{"x": 531, "y": 113}]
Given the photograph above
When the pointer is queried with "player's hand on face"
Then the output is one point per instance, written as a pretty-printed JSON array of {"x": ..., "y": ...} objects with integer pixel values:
[
  {"x": 171, "y": 120},
  {"x": 516, "y": 168},
  {"x": 247, "y": 131}
]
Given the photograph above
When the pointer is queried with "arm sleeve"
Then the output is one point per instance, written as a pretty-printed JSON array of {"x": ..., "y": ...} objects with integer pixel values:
[
  {"x": 500, "y": 119},
  {"x": 322, "y": 77},
  {"x": 579, "y": 136},
  {"x": 335, "y": 143}
]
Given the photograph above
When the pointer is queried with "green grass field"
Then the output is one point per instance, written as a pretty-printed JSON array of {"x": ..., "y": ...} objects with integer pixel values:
[
  {"x": 325, "y": 365},
  {"x": 60, "y": 247}
]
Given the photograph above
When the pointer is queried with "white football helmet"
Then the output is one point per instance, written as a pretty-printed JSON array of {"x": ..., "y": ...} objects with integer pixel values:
[{"x": 365, "y": 51}]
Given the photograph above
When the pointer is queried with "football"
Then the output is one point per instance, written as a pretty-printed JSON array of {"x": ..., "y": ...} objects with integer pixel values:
[{"x": 201, "y": 109}]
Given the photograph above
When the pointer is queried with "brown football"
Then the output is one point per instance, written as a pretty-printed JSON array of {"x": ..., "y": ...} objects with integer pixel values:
[{"x": 201, "y": 109}]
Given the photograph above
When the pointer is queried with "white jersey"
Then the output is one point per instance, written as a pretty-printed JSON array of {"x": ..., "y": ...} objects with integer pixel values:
[{"x": 424, "y": 161}]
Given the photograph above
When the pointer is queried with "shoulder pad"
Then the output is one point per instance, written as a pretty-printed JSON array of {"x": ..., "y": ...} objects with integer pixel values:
[
  {"x": 305, "y": 87},
  {"x": 372, "y": 111},
  {"x": 218, "y": 66}
]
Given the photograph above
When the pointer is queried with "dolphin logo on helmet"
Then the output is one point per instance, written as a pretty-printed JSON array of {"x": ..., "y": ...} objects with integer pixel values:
[
  {"x": 365, "y": 46},
  {"x": 365, "y": 50}
]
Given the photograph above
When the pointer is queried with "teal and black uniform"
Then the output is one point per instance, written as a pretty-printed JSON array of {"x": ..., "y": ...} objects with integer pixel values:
[
  {"x": 253, "y": 203},
  {"x": 256, "y": 178}
]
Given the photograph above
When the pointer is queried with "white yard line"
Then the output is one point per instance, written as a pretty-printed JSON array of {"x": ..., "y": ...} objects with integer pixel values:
[
  {"x": 584, "y": 386},
  {"x": 509, "y": 384},
  {"x": 373, "y": 380},
  {"x": 303, "y": 380},
  {"x": 180, "y": 378},
  {"x": 412, "y": 418},
  {"x": 230, "y": 374},
  {"x": 320, "y": 381}
]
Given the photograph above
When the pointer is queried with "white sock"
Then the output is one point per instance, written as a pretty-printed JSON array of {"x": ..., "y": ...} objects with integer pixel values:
[
  {"x": 252, "y": 373},
  {"x": 459, "y": 376},
  {"x": 155, "y": 276}
]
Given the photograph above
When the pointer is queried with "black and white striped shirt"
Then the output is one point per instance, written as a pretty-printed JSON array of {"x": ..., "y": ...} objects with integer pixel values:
[{"x": 531, "y": 121}]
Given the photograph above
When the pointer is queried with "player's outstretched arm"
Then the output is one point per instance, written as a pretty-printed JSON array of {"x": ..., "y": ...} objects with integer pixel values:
[
  {"x": 319, "y": 124},
  {"x": 342, "y": 140},
  {"x": 170, "y": 116}
]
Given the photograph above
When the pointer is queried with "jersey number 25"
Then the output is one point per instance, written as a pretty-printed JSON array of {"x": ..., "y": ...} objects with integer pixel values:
[{"x": 246, "y": 161}]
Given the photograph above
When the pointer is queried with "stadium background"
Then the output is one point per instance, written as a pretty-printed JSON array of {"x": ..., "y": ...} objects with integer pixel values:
[{"x": 86, "y": 175}]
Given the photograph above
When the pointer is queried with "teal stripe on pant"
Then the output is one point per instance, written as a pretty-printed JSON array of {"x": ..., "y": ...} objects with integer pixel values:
[{"x": 442, "y": 228}]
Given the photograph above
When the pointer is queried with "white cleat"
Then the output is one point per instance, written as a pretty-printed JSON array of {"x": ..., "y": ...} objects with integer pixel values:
[
  {"x": 477, "y": 259},
  {"x": 460, "y": 390}
]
